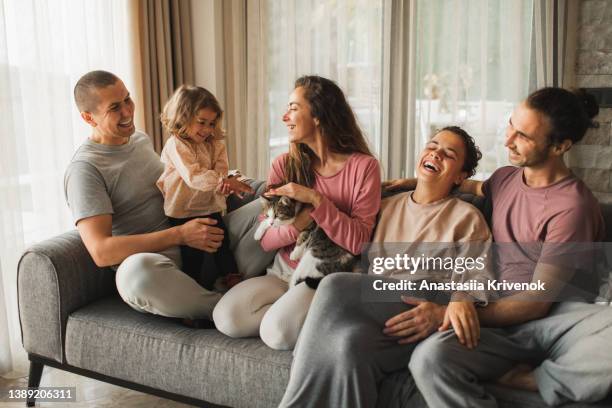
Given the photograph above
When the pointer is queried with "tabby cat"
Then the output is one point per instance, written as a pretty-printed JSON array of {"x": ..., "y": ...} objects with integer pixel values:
[{"x": 319, "y": 256}]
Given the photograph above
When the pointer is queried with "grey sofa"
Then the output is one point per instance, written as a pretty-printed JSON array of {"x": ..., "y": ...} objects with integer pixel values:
[{"x": 73, "y": 319}]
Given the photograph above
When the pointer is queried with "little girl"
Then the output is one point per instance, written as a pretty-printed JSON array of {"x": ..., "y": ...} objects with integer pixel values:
[{"x": 195, "y": 180}]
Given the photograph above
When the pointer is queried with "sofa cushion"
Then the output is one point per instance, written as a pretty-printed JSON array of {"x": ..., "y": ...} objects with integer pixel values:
[{"x": 110, "y": 338}]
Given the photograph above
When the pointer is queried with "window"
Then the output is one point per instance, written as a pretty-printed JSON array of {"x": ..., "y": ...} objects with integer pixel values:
[
  {"x": 47, "y": 47},
  {"x": 473, "y": 63},
  {"x": 44, "y": 48},
  {"x": 472, "y": 59},
  {"x": 338, "y": 39}
]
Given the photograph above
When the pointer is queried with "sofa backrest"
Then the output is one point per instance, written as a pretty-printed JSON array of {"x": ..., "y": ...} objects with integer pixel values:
[{"x": 483, "y": 205}]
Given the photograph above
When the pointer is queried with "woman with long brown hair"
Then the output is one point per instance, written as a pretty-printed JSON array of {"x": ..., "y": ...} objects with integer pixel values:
[{"x": 329, "y": 168}]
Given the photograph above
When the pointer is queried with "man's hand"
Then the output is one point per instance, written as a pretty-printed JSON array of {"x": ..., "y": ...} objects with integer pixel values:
[
  {"x": 200, "y": 234},
  {"x": 297, "y": 192},
  {"x": 463, "y": 317},
  {"x": 417, "y": 323},
  {"x": 303, "y": 220},
  {"x": 399, "y": 184}
]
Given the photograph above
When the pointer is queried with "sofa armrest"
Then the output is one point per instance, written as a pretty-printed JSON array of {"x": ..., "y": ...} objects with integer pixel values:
[{"x": 54, "y": 278}]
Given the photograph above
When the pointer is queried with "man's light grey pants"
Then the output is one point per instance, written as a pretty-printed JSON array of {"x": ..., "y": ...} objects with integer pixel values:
[
  {"x": 570, "y": 347},
  {"x": 154, "y": 282}
]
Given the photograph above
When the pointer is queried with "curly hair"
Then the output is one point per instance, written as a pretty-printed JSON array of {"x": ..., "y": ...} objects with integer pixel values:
[
  {"x": 184, "y": 105},
  {"x": 472, "y": 152}
]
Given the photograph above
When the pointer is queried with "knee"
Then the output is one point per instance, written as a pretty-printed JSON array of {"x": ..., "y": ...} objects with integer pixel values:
[
  {"x": 339, "y": 289},
  {"x": 346, "y": 347},
  {"x": 135, "y": 276},
  {"x": 339, "y": 281},
  {"x": 433, "y": 353},
  {"x": 277, "y": 335},
  {"x": 227, "y": 316}
]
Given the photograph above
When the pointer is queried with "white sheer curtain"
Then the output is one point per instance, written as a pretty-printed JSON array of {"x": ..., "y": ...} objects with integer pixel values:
[
  {"x": 473, "y": 64},
  {"x": 341, "y": 40},
  {"x": 45, "y": 46}
]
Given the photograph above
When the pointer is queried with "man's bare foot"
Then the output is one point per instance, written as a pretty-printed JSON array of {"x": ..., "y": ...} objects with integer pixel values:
[{"x": 520, "y": 377}]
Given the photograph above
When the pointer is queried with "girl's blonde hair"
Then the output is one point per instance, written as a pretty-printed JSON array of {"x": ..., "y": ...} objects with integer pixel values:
[{"x": 184, "y": 105}]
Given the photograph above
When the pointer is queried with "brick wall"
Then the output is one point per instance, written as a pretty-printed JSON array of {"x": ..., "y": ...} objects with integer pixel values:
[{"x": 591, "y": 159}]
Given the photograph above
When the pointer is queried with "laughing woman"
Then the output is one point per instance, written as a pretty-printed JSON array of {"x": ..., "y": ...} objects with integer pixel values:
[
  {"x": 354, "y": 337},
  {"x": 330, "y": 169}
]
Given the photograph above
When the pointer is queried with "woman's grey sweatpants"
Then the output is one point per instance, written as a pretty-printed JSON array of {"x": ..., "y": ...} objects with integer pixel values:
[
  {"x": 570, "y": 347},
  {"x": 342, "y": 354},
  {"x": 154, "y": 282}
]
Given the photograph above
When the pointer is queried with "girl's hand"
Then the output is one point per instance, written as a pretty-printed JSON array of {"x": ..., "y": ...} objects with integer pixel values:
[
  {"x": 399, "y": 184},
  {"x": 463, "y": 317},
  {"x": 223, "y": 188},
  {"x": 297, "y": 192},
  {"x": 231, "y": 185},
  {"x": 417, "y": 323}
]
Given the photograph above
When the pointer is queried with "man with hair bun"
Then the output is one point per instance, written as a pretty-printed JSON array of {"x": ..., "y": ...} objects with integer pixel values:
[{"x": 537, "y": 201}]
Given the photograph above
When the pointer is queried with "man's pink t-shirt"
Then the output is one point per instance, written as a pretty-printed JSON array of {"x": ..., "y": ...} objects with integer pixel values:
[
  {"x": 347, "y": 214},
  {"x": 563, "y": 212}
]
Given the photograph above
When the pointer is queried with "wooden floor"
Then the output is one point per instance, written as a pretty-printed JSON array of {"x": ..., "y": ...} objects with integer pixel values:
[{"x": 89, "y": 393}]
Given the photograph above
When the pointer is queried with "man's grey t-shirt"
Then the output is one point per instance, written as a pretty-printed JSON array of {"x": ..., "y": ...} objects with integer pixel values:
[{"x": 120, "y": 181}]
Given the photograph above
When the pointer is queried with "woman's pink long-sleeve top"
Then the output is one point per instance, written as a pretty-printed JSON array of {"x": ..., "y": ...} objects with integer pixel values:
[{"x": 347, "y": 214}]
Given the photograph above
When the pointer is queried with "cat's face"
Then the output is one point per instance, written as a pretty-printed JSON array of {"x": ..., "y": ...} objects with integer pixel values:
[{"x": 281, "y": 209}]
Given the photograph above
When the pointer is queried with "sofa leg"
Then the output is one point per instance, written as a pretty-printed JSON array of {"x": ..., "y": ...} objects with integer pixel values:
[{"x": 36, "y": 370}]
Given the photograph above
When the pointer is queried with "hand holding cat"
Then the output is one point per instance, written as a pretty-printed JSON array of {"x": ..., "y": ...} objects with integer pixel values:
[
  {"x": 298, "y": 192},
  {"x": 303, "y": 220}
]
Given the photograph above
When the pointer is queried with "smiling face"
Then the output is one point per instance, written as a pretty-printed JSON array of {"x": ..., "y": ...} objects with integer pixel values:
[
  {"x": 202, "y": 125},
  {"x": 442, "y": 160},
  {"x": 301, "y": 125},
  {"x": 527, "y": 137},
  {"x": 113, "y": 118}
]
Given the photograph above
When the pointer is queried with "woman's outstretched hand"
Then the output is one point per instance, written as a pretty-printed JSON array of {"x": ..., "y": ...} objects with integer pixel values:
[
  {"x": 417, "y": 323},
  {"x": 462, "y": 316},
  {"x": 297, "y": 192}
]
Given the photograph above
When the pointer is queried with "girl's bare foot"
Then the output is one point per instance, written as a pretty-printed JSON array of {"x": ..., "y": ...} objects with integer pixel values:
[{"x": 520, "y": 377}]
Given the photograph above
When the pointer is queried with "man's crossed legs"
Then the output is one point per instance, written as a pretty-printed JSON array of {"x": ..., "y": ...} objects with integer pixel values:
[{"x": 570, "y": 347}]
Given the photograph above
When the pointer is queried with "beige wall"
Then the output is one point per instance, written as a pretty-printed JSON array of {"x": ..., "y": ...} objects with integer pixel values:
[{"x": 592, "y": 158}]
